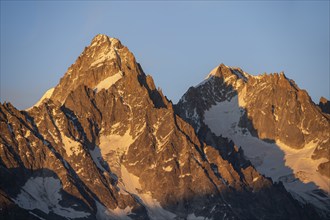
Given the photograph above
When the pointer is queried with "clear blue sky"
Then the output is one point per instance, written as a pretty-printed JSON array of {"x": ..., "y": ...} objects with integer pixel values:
[{"x": 177, "y": 43}]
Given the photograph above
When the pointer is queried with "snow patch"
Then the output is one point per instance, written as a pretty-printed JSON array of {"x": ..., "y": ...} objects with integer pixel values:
[
  {"x": 168, "y": 168},
  {"x": 184, "y": 175},
  {"x": 71, "y": 146},
  {"x": 43, "y": 193},
  {"x": 27, "y": 134},
  {"x": 46, "y": 95},
  {"x": 115, "y": 142},
  {"x": 104, "y": 56},
  {"x": 305, "y": 168},
  {"x": 161, "y": 141},
  {"x": 131, "y": 183},
  {"x": 107, "y": 214},
  {"x": 108, "y": 82}
]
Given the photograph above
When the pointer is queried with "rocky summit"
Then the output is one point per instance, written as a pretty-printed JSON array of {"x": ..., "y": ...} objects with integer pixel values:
[{"x": 106, "y": 144}]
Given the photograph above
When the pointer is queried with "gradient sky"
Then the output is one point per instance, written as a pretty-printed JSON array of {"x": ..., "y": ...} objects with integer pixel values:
[{"x": 177, "y": 43}]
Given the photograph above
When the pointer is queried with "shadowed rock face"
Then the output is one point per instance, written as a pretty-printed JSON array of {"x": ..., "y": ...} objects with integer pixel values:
[
  {"x": 324, "y": 105},
  {"x": 271, "y": 112},
  {"x": 107, "y": 144}
]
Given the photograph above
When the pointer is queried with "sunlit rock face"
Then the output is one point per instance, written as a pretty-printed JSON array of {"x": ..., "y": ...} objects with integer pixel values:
[
  {"x": 106, "y": 144},
  {"x": 276, "y": 124}
]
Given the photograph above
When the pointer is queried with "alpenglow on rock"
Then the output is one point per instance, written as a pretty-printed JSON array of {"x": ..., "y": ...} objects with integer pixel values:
[
  {"x": 281, "y": 131},
  {"x": 106, "y": 144}
]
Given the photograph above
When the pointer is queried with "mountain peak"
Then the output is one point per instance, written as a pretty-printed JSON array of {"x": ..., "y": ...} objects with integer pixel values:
[
  {"x": 102, "y": 39},
  {"x": 227, "y": 72},
  {"x": 217, "y": 71},
  {"x": 104, "y": 60}
]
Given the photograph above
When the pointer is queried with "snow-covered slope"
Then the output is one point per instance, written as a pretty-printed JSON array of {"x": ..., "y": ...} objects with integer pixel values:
[
  {"x": 279, "y": 128},
  {"x": 108, "y": 82},
  {"x": 43, "y": 193},
  {"x": 295, "y": 168}
]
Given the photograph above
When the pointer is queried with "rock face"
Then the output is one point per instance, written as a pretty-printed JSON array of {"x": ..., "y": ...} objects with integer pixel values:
[
  {"x": 106, "y": 144},
  {"x": 324, "y": 105},
  {"x": 281, "y": 131}
]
